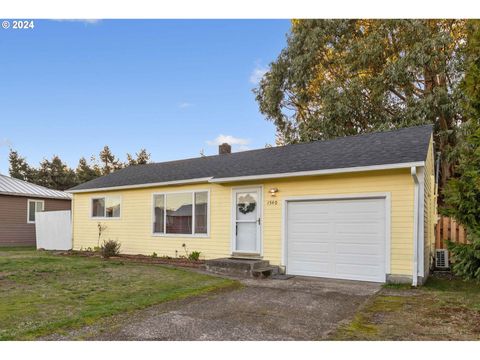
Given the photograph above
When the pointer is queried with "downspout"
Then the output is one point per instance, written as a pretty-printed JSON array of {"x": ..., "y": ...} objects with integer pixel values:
[
  {"x": 413, "y": 171},
  {"x": 72, "y": 205}
]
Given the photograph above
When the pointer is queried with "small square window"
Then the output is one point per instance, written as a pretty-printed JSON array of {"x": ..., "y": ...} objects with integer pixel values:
[
  {"x": 34, "y": 206},
  {"x": 106, "y": 207}
]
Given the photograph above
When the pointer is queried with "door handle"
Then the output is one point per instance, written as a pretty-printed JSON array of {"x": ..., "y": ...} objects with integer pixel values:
[{"x": 258, "y": 221}]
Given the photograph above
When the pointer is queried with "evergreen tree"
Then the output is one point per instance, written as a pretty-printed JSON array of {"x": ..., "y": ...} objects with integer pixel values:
[
  {"x": 142, "y": 157},
  {"x": 20, "y": 169},
  {"x": 85, "y": 172},
  {"x": 109, "y": 162},
  {"x": 54, "y": 174},
  {"x": 462, "y": 193}
]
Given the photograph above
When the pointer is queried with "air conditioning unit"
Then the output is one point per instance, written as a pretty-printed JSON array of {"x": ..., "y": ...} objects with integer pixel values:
[{"x": 441, "y": 259}]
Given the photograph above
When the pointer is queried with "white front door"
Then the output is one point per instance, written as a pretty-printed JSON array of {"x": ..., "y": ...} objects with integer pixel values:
[{"x": 247, "y": 220}]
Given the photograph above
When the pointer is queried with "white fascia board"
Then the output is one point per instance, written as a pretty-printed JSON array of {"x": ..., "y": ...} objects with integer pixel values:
[
  {"x": 319, "y": 172},
  {"x": 255, "y": 177},
  {"x": 139, "y": 186}
]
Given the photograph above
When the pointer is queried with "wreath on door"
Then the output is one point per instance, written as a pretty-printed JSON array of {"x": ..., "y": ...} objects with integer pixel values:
[{"x": 246, "y": 204}]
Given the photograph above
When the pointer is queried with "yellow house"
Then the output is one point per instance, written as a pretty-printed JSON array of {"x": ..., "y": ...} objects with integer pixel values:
[{"x": 359, "y": 207}]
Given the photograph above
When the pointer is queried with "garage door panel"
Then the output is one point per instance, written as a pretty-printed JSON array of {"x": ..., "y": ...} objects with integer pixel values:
[
  {"x": 310, "y": 227},
  {"x": 358, "y": 249},
  {"x": 358, "y": 239},
  {"x": 337, "y": 238},
  {"x": 318, "y": 253},
  {"x": 357, "y": 269},
  {"x": 367, "y": 239},
  {"x": 363, "y": 260},
  {"x": 356, "y": 232},
  {"x": 314, "y": 267},
  {"x": 361, "y": 207},
  {"x": 299, "y": 248},
  {"x": 311, "y": 217}
]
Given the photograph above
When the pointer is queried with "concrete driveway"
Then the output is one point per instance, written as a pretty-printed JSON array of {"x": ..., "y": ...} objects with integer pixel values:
[{"x": 299, "y": 308}]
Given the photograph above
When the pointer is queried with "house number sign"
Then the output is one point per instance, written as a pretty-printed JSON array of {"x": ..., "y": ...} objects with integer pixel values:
[{"x": 272, "y": 202}]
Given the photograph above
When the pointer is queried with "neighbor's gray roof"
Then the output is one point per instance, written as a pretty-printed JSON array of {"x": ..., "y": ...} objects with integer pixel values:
[
  {"x": 391, "y": 147},
  {"x": 12, "y": 186}
]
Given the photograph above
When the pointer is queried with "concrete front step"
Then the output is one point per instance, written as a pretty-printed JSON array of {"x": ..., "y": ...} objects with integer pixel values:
[
  {"x": 240, "y": 267},
  {"x": 266, "y": 271}
]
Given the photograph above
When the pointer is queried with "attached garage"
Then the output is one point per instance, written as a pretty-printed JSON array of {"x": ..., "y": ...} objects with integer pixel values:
[{"x": 343, "y": 238}]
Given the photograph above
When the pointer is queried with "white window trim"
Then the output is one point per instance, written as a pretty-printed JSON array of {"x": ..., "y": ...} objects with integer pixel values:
[
  {"x": 105, "y": 210},
  {"x": 28, "y": 208},
  {"x": 192, "y": 235}
]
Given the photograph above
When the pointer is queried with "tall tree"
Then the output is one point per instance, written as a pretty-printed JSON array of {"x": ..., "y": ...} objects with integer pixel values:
[
  {"x": 462, "y": 193},
  {"x": 142, "y": 157},
  {"x": 55, "y": 174},
  {"x": 109, "y": 162},
  {"x": 19, "y": 167},
  {"x": 85, "y": 172},
  {"x": 345, "y": 77}
]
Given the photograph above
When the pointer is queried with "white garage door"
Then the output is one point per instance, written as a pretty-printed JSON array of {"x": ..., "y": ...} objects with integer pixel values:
[{"x": 343, "y": 239}]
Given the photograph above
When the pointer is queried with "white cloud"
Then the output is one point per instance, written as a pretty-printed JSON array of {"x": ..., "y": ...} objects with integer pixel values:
[
  {"x": 184, "y": 105},
  {"x": 229, "y": 139},
  {"x": 257, "y": 73}
]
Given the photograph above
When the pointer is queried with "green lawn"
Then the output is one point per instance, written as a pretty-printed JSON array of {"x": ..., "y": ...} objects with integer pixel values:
[
  {"x": 446, "y": 308},
  {"x": 42, "y": 293}
]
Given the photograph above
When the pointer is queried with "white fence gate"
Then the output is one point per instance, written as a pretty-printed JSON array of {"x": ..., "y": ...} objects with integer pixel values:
[{"x": 54, "y": 230}]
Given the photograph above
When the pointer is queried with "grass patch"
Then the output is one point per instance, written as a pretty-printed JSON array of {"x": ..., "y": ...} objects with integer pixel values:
[
  {"x": 41, "y": 293},
  {"x": 446, "y": 308}
]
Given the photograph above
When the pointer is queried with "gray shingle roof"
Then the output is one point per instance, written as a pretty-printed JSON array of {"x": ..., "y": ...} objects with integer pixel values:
[
  {"x": 12, "y": 186},
  {"x": 391, "y": 147}
]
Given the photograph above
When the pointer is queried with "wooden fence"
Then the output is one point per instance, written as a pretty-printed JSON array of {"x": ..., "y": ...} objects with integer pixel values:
[{"x": 448, "y": 229}]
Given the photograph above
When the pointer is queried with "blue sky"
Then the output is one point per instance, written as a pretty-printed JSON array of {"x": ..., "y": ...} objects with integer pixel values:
[{"x": 170, "y": 86}]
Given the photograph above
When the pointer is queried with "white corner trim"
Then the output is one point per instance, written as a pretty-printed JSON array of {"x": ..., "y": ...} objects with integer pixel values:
[
  {"x": 318, "y": 172},
  {"x": 138, "y": 186}
]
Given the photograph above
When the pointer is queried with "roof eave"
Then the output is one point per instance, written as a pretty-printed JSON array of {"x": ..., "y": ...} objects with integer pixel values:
[
  {"x": 256, "y": 177},
  {"x": 320, "y": 172},
  {"x": 68, "y": 197},
  {"x": 141, "y": 186}
]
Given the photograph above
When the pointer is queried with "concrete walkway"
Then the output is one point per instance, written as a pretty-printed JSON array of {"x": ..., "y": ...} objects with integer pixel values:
[{"x": 299, "y": 308}]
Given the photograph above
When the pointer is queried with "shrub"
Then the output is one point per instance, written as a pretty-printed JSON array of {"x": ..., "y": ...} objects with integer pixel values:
[
  {"x": 194, "y": 256},
  {"x": 110, "y": 248},
  {"x": 154, "y": 255},
  {"x": 466, "y": 259}
]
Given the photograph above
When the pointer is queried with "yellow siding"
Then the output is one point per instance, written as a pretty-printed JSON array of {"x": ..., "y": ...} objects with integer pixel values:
[
  {"x": 430, "y": 208},
  {"x": 133, "y": 229}
]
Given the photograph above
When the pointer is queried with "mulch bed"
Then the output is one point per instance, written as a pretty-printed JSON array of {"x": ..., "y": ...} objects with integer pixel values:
[{"x": 182, "y": 262}]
